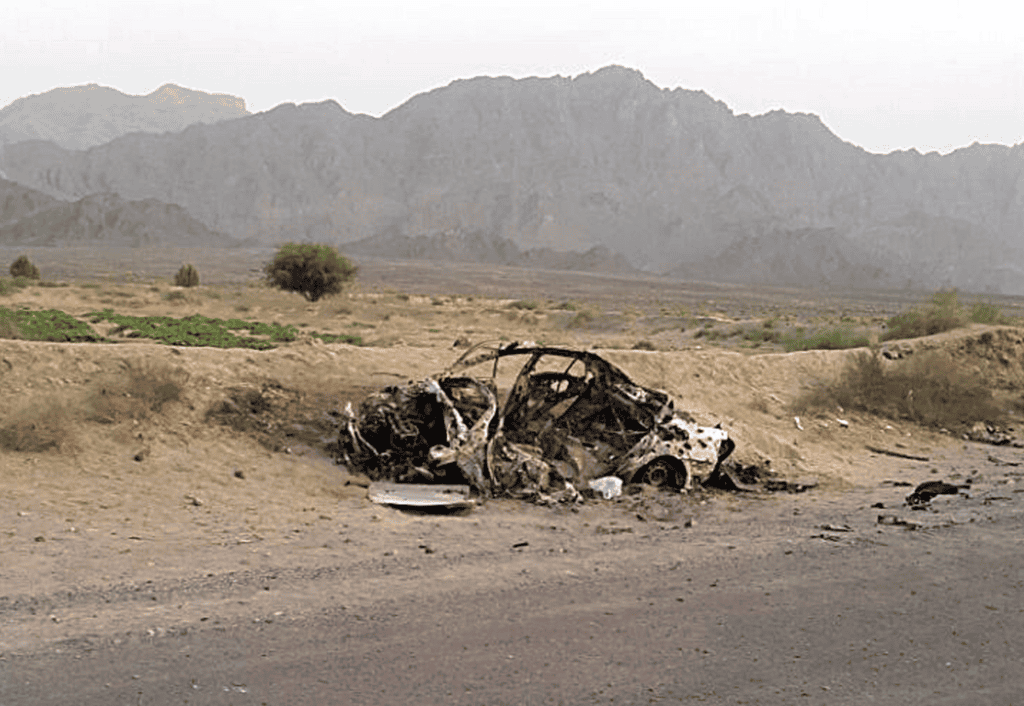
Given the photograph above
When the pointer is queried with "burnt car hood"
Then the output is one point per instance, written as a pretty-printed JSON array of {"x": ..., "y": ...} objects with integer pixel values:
[{"x": 569, "y": 417}]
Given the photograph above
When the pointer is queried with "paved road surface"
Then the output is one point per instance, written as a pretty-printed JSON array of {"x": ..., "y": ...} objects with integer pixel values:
[{"x": 911, "y": 617}]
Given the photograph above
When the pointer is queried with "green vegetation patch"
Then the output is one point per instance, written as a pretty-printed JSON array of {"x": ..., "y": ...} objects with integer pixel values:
[
  {"x": 46, "y": 325},
  {"x": 198, "y": 330}
]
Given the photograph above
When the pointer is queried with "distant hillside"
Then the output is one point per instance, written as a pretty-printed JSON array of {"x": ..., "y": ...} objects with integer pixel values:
[
  {"x": 476, "y": 247},
  {"x": 29, "y": 217},
  {"x": 81, "y": 117},
  {"x": 671, "y": 179}
]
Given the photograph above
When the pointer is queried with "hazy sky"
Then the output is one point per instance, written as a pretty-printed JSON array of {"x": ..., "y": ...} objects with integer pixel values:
[{"x": 885, "y": 75}]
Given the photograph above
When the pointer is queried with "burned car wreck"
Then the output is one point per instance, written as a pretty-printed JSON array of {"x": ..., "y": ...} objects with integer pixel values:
[{"x": 570, "y": 417}]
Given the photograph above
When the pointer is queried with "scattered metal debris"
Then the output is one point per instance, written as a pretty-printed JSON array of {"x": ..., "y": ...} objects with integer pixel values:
[
  {"x": 897, "y": 454},
  {"x": 924, "y": 493},
  {"x": 413, "y": 495},
  {"x": 569, "y": 418},
  {"x": 899, "y": 521},
  {"x": 989, "y": 434},
  {"x": 609, "y": 487}
]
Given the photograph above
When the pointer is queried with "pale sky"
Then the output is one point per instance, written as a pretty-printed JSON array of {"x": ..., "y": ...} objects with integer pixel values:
[{"x": 884, "y": 75}]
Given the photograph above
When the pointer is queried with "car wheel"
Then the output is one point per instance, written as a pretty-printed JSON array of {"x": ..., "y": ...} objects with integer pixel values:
[{"x": 663, "y": 472}]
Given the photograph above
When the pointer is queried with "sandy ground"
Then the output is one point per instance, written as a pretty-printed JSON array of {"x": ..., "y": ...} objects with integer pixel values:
[{"x": 141, "y": 523}]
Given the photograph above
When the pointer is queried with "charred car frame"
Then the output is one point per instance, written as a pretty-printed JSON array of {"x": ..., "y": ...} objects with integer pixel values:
[{"x": 569, "y": 417}]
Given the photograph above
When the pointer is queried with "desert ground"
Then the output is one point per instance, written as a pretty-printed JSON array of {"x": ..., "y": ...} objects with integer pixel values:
[{"x": 189, "y": 551}]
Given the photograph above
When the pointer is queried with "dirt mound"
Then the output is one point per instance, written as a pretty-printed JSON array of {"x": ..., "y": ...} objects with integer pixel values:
[{"x": 995, "y": 353}]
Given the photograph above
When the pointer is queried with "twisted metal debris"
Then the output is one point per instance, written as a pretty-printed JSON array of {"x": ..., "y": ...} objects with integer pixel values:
[{"x": 569, "y": 418}]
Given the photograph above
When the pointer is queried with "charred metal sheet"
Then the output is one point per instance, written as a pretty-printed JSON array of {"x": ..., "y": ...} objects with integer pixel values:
[{"x": 419, "y": 495}]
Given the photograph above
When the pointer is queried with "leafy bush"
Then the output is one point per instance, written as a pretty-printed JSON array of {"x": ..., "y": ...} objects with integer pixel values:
[
  {"x": 187, "y": 276},
  {"x": 46, "y": 325},
  {"x": 943, "y": 313},
  {"x": 177, "y": 296},
  {"x": 826, "y": 339},
  {"x": 928, "y": 388},
  {"x": 524, "y": 304},
  {"x": 987, "y": 313},
  {"x": 313, "y": 270},
  {"x": 23, "y": 267}
]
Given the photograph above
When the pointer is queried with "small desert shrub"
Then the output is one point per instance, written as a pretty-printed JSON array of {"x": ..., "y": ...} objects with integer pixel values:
[
  {"x": 827, "y": 339},
  {"x": 567, "y": 306},
  {"x": 987, "y": 313},
  {"x": 143, "y": 388},
  {"x": 644, "y": 345},
  {"x": 23, "y": 267},
  {"x": 765, "y": 334},
  {"x": 524, "y": 304},
  {"x": 338, "y": 338},
  {"x": 242, "y": 308},
  {"x": 187, "y": 276},
  {"x": 929, "y": 388},
  {"x": 33, "y": 428},
  {"x": 943, "y": 313},
  {"x": 581, "y": 319},
  {"x": 176, "y": 296}
]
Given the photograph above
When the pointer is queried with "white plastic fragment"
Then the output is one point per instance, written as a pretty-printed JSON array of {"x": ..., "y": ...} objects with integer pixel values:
[
  {"x": 608, "y": 486},
  {"x": 843, "y": 423},
  {"x": 796, "y": 420}
]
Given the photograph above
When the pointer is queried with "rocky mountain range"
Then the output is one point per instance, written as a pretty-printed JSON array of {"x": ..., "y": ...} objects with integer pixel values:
[
  {"x": 489, "y": 168},
  {"x": 31, "y": 218},
  {"x": 80, "y": 117}
]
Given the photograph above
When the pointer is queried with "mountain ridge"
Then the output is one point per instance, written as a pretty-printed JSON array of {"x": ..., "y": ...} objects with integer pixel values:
[
  {"x": 80, "y": 117},
  {"x": 669, "y": 178}
]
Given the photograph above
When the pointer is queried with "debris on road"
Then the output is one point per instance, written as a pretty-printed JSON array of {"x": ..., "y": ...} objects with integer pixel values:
[
  {"x": 924, "y": 493},
  {"x": 421, "y": 496},
  {"x": 609, "y": 487},
  {"x": 988, "y": 434},
  {"x": 895, "y": 454},
  {"x": 900, "y": 522},
  {"x": 570, "y": 417}
]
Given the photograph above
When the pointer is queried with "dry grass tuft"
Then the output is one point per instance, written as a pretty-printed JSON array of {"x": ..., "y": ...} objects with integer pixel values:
[
  {"x": 144, "y": 388},
  {"x": 930, "y": 389},
  {"x": 33, "y": 428}
]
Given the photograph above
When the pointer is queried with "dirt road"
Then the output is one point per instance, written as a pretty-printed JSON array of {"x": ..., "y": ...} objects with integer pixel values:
[{"x": 758, "y": 599}]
